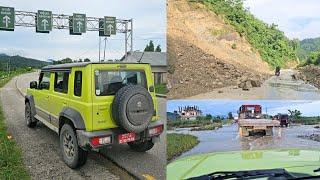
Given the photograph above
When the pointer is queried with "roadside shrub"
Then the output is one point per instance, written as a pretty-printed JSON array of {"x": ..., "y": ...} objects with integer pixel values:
[{"x": 234, "y": 46}]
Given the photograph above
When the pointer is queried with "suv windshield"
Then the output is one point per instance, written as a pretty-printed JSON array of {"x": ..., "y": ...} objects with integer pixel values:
[{"x": 109, "y": 82}]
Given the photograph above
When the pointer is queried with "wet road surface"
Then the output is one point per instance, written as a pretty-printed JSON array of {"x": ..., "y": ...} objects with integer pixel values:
[
  {"x": 284, "y": 85},
  {"x": 227, "y": 139},
  {"x": 276, "y": 87}
]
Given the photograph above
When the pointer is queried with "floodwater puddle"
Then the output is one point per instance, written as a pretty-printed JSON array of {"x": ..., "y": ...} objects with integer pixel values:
[{"x": 227, "y": 139}]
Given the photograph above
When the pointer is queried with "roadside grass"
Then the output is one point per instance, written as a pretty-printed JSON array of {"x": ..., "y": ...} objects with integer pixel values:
[
  {"x": 207, "y": 127},
  {"x": 11, "y": 163},
  {"x": 4, "y": 77},
  {"x": 197, "y": 124},
  {"x": 307, "y": 120},
  {"x": 179, "y": 143},
  {"x": 161, "y": 88}
]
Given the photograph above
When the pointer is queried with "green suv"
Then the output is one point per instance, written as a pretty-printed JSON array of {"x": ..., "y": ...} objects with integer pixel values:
[{"x": 94, "y": 105}]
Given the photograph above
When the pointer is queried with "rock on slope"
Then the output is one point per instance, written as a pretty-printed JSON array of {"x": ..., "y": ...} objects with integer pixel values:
[
  {"x": 205, "y": 53},
  {"x": 310, "y": 74}
]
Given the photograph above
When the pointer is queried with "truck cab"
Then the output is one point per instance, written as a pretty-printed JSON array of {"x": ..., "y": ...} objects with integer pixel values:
[{"x": 283, "y": 119}]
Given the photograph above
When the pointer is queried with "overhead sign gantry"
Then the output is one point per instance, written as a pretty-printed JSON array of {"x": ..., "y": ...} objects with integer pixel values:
[{"x": 45, "y": 21}]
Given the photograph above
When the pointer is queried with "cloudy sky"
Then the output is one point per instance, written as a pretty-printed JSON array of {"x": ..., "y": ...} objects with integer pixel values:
[
  {"x": 297, "y": 18},
  {"x": 223, "y": 107},
  {"x": 149, "y": 24}
]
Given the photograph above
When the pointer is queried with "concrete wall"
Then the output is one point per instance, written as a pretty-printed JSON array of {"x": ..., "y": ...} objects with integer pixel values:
[{"x": 159, "y": 74}]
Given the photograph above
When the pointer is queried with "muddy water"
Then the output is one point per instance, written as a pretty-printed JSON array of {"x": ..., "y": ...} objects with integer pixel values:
[
  {"x": 227, "y": 139},
  {"x": 286, "y": 86}
]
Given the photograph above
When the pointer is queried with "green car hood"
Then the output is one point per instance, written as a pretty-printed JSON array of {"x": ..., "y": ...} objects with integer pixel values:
[{"x": 294, "y": 161}]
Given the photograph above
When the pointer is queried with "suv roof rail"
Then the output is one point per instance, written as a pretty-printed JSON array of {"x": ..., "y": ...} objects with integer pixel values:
[{"x": 83, "y": 64}]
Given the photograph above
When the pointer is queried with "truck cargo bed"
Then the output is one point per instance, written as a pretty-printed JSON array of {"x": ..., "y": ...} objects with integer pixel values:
[{"x": 258, "y": 122}]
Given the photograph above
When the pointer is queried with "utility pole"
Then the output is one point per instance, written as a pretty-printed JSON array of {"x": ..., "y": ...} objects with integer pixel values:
[
  {"x": 99, "y": 47},
  {"x": 9, "y": 64},
  {"x": 126, "y": 41},
  {"x": 131, "y": 29},
  {"x": 104, "y": 51}
]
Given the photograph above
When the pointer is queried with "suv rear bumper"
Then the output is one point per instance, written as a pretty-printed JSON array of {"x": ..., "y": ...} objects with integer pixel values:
[{"x": 84, "y": 137}]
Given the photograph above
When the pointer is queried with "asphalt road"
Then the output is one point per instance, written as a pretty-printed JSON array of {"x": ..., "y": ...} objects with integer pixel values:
[{"x": 42, "y": 155}]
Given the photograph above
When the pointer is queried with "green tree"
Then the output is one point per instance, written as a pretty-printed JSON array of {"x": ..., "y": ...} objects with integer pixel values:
[
  {"x": 230, "y": 116},
  {"x": 208, "y": 117},
  {"x": 149, "y": 47},
  {"x": 66, "y": 60},
  {"x": 294, "y": 114},
  {"x": 63, "y": 61},
  {"x": 86, "y": 60},
  {"x": 158, "y": 48}
]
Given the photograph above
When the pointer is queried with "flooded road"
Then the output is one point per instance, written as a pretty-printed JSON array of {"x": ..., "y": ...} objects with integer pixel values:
[
  {"x": 227, "y": 139},
  {"x": 276, "y": 87}
]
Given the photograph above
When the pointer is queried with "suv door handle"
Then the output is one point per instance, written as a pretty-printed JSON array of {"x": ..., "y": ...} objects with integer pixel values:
[
  {"x": 64, "y": 103},
  {"x": 47, "y": 97}
]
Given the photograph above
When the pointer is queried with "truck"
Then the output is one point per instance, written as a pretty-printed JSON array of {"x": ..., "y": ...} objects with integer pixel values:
[
  {"x": 251, "y": 121},
  {"x": 283, "y": 119}
]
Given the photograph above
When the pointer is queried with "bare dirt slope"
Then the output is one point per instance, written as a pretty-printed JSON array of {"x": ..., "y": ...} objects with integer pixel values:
[{"x": 206, "y": 53}]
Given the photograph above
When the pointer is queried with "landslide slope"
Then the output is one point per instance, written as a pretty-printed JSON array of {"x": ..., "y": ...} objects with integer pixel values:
[{"x": 205, "y": 53}]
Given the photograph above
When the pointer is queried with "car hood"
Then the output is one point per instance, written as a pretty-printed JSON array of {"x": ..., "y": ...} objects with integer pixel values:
[{"x": 301, "y": 162}]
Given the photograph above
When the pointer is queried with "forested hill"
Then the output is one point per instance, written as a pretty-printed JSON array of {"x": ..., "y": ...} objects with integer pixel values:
[
  {"x": 17, "y": 62},
  {"x": 307, "y": 46},
  {"x": 273, "y": 46}
]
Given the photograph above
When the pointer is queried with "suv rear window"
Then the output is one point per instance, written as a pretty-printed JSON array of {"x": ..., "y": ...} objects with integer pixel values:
[
  {"x": 109, "y": 82},
  {"x": 77, "y": 83}
]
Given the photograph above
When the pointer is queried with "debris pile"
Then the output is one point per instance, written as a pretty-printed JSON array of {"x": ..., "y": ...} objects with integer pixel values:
[
  {"x": 194, "y": 72},
  {"x": 310, "y": 74}
]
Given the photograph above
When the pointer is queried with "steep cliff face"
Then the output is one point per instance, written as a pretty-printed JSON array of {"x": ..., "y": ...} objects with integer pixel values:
[{"x": 205, "y": 53}]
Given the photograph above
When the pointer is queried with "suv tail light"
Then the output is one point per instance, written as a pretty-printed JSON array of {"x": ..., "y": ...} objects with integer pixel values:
[
  {"x": 98, "y": 141},
  {"x": 156, "y": 130}
]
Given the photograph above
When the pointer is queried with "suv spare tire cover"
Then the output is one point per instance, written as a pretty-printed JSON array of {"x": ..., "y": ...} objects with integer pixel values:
[{"x": 132, "y": 108}]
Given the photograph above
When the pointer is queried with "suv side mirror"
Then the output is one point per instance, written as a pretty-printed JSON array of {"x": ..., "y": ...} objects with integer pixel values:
[
  {"x": 33, "y": 85},
  {"x": 151, "y": 88}
]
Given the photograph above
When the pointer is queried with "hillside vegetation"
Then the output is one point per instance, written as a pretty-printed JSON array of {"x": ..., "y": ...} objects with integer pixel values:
[
  {"x": 308, "y": 46},
  {"x": 273, "y": 46},
  {"x": 18, "y": 62}
]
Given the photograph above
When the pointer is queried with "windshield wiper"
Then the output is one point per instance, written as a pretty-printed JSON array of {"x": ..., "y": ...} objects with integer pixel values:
[{"x": 251, "y": 174}]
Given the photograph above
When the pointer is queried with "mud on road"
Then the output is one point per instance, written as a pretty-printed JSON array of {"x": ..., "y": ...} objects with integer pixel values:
[
  {"x": 41, "y": 153},
  {"x": 282, "y": 87}
]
